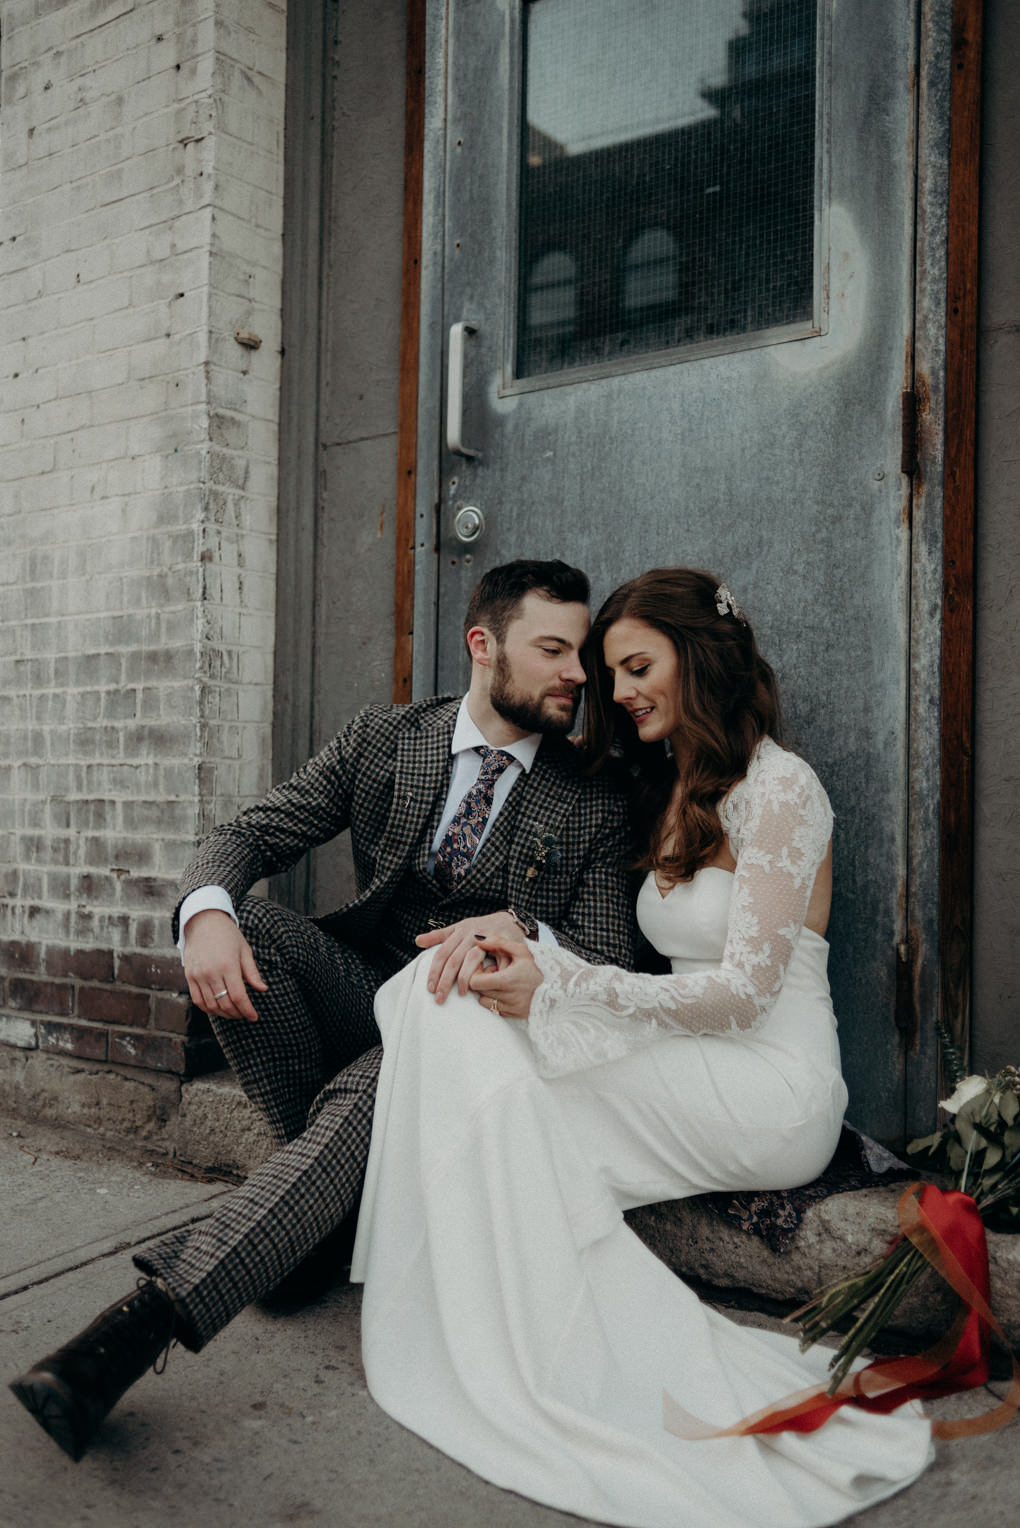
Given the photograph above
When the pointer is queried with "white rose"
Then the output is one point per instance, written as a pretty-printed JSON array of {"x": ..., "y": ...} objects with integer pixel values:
[{"x": 969, "y": 1088}]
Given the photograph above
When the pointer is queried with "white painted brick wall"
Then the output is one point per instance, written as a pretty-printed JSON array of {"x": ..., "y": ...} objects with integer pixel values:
[{"x": 141, "y": 192}]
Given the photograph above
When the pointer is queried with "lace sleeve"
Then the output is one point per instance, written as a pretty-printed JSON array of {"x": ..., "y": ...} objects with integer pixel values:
[{"x": 778, "y": 821}]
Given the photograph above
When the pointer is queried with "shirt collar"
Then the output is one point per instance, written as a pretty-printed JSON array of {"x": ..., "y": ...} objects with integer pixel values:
[{"x": 467, "y": 735}]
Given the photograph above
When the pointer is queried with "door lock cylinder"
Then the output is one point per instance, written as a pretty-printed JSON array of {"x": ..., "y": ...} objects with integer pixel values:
[{"x": 468, "y": 523}]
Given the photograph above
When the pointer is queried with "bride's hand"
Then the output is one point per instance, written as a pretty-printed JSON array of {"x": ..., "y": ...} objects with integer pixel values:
[{"x": 511, "y": 984}]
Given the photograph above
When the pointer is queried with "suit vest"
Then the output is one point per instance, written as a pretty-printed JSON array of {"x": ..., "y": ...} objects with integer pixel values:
[{"x": 418, "y": 903}]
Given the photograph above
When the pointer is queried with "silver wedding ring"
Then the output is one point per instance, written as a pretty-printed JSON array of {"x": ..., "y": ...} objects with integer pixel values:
[
  {"x": 220, "y": 994},
  {"x": 493, "y": 1004}
]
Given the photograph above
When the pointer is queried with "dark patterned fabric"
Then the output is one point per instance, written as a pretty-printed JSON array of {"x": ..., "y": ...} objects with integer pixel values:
[
  {"x": 316, "y": 1017},
  {"x": 288, "y": 1205},
  {"x": 385, "y": 777},
  {"x": 775, "y": 1214},
  {"x": 460, "y": 841},
  {"x": 322, "y": 975}
]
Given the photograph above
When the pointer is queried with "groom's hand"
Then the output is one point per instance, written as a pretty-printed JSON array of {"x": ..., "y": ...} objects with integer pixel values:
[
  {"x": 219, "y": 966},
  {"x": 458, "y": 955}
]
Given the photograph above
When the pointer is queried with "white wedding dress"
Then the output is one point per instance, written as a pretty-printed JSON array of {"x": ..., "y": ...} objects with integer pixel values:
[{"x": 510, "y": 1316}]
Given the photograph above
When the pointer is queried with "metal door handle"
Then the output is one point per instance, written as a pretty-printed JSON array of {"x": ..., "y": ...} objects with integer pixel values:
[{"x": 455, "y": 390}]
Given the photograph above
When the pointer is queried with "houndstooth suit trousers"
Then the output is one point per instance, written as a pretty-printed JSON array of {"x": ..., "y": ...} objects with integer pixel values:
[
  {"x": 315, "y": 1018},
  {"x": 298, "y": 1061},
  {"x": 315, "y": 1022},
  {"x": 263, "y": 1230}
]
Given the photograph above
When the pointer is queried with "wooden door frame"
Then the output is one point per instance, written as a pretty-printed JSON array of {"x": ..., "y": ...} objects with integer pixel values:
[
  {"x": 942, "y": 377},
  {"x": 410, "y": 342}
]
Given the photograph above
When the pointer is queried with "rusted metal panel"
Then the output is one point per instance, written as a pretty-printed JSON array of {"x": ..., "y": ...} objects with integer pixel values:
[
  {"x": 957, "y": 771},
  {"x": 908, "y": 432},
  {"x": 927, "y": 553},
  {"x": 996, "y": 1001}
]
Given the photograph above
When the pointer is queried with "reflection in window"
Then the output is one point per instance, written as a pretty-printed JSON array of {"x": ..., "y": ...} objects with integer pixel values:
[
  {"x": 551, "y": 308},
  {"x": 667, "y": 176},
  {"x": 650, "y": 270},
  {"x": 552, "y": 293}
]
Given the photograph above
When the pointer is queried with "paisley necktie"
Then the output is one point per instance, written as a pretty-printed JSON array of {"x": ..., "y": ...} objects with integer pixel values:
[{"x": 461, "y": 839}]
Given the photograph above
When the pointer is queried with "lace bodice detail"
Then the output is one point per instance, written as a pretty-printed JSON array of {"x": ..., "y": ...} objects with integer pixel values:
[{"x": 778, "y": 822}]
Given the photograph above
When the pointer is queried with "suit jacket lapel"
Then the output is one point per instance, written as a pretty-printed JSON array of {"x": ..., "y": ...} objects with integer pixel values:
[{"x": 421, "y": 777}]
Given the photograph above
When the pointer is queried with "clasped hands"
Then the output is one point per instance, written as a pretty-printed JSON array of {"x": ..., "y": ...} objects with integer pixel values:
[{"x": 488, "y": 956}]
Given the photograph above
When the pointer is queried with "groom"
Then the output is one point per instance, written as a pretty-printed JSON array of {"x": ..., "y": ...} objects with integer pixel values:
[{"x": 467, "y": 817}]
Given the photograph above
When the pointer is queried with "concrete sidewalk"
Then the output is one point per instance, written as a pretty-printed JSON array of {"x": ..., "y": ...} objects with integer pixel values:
[{"x": 272, "y": 1424}]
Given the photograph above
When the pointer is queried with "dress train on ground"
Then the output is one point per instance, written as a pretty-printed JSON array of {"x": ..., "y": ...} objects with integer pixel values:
[{"x": 512, "y": 1318}]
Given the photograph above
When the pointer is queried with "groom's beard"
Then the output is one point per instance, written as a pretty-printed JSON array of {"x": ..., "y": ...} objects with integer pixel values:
[{"x": 532, "y": 713}]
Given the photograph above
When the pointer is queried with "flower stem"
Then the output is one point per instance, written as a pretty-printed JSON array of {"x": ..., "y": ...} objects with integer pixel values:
[
  {"x": 829, "y": 1306},
  {"x": 1004, "y": 1188},
  {"x": 887, "y": 1297}
]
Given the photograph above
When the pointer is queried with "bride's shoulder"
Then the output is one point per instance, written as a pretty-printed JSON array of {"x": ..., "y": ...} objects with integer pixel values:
[
  {"x": 774, "y": 776},
  {"x": 771, "y": 761}
]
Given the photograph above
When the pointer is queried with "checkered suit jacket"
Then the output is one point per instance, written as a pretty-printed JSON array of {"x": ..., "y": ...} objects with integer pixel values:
[{"x": 384, "y": 777}]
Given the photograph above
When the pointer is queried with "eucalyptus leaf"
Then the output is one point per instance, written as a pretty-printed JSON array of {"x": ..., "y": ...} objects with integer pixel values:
[
  {"x": 968, "y": 1111},
  {"x": 999, "y": 1123},
  {"x": 976, "y": 1111}
]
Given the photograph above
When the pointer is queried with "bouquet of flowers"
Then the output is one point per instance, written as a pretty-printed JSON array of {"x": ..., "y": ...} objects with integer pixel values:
[{"x": 978, "y": 1152}]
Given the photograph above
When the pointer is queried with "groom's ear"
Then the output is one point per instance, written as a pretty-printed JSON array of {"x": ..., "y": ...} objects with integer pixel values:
[{"x": 481, "y": 645}]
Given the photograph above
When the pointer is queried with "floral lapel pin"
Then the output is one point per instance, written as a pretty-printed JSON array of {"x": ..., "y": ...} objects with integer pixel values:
[{"x": 546, "y": 852}]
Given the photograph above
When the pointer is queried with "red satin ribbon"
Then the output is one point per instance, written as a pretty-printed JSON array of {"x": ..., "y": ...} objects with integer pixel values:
[{"x": 946, "y": 1227}]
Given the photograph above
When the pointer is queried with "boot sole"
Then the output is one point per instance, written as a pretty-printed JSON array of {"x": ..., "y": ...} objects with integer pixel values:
[{"x": 53, "y": 1406}]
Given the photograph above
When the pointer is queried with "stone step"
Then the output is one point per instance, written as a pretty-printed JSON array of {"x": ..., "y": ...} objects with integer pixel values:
[
  {"x": 207, "y": 1123},
  {"x": 838, "y": 1235},
  {"x": 218, "y": 1128}
]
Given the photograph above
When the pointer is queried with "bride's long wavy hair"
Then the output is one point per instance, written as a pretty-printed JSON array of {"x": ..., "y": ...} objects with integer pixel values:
[{"x": 728, "y": 700}]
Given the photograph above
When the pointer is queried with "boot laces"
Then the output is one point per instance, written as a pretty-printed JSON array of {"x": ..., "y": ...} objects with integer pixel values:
[
  {"x": 120, "y": 1337},
  {"x": 160, "y": 1361}
]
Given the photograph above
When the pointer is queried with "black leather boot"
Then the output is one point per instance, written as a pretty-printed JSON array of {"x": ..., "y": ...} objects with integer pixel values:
[{"x": 70, "y": 1392}]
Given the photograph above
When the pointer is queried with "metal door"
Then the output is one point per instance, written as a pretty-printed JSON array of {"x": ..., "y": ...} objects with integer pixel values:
[{"x": 668, "y": 265}]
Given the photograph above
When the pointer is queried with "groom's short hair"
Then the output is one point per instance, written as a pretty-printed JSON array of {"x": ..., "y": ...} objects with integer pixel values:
[{"x": 496, "y": 598}]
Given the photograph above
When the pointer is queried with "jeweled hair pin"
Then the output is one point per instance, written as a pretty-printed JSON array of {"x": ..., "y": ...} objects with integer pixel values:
[{"x": 727, "y": 605}]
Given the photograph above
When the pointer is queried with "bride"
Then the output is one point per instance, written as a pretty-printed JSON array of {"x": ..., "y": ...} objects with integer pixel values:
[{"x": 510, "y": 1316}]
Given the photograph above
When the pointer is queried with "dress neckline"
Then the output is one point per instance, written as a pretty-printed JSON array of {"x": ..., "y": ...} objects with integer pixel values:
[{"x": 663, "y": 895}]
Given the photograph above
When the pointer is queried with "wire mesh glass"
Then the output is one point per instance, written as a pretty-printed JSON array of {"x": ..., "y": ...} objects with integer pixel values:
[{"x": 667, "y": 178}]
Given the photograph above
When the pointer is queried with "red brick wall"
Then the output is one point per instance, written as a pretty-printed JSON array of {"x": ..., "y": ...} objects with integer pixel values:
[
  {"x": 102, "y": 1005},
  {"x": 141, "y": 201}
]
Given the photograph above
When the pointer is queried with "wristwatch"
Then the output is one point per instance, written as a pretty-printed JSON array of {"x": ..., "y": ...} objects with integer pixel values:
[{"x": 527, "y": 924}]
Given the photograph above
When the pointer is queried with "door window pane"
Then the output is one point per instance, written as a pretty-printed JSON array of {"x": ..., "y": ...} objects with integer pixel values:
[
  {"x": 551, "y": 310},
  {"x": 650, "y": 271},
  {"x": 667, "y": 184}
]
